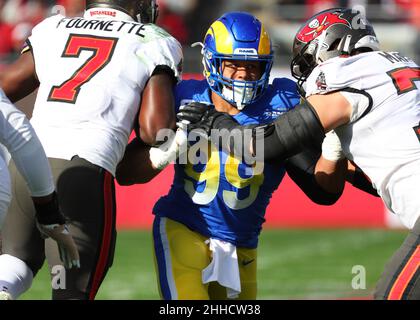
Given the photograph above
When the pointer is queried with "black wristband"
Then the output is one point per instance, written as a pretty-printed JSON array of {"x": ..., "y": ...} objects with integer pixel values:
[{"x": 49, "y": 213}]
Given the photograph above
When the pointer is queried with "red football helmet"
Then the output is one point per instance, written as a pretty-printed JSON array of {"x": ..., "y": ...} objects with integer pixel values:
[{"x": 328, "y": 34}]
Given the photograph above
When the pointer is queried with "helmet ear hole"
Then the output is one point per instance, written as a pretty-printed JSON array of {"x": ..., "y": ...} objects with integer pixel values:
[{"x": 334, "y": 45}]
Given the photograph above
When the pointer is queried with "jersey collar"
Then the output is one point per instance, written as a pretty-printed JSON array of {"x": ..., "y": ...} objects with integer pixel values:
[{"x": 106, "y": 14}]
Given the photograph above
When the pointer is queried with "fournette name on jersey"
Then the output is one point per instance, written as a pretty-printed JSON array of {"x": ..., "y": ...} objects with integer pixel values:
[{"x": 103, "y": 25}]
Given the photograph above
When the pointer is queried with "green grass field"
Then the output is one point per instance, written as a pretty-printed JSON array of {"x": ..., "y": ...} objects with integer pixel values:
[{"x": 292, "y": 264}]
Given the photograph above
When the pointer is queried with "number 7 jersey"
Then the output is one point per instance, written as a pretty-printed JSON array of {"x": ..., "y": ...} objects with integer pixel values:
[{"x": 92, "y": 73}]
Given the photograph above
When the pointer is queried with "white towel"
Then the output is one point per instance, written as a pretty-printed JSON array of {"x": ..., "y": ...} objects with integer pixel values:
[{"x": 223, "y": 267}]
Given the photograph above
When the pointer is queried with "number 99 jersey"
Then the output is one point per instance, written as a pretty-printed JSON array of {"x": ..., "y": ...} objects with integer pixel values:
[
  {"x": 87, "y": 106},
  {"x": 225, "y": 198}
]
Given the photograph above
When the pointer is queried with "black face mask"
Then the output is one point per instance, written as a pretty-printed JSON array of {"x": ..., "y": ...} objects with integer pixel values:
[{"x": 305, "y": 63}]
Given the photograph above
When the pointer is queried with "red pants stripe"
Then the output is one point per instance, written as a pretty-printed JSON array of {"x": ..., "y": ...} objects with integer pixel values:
[
  {"x": 406, "y": 275},
  {"x": 106, "y": 237}
]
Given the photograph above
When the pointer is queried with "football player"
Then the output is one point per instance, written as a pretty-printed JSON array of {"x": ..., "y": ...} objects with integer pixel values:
[
  {"x": 20, "y": 139},
  {"x": 206, "y": 229},
  {"x": 372, "y": 101},
  {"x": 98, "y": 76}
]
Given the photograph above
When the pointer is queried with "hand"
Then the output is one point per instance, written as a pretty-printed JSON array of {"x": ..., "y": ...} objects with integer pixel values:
[
  {"x": 66, "y": 246},
  {"x": 160, "y": 157},
  {"x": 197, "y": 115},
  {"x": 331, "y": 147},
  {"x": 51, "y": 224}
]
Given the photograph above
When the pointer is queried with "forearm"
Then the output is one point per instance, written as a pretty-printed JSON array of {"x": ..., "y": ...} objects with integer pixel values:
[
  {"x": 301, "y": 169},
  {"x": 149, "y": 133},
  {"x": 288, "y": 135},
  {"x": 136, "y": 167},
  {"x": 330, "y": 175}
]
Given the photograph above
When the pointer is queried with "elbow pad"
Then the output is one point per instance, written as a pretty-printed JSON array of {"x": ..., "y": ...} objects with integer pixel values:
[{"x": 291, "y": 133}]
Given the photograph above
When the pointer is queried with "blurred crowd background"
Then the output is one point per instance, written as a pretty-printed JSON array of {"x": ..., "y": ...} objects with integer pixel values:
[{"x": 397, "y": 22}]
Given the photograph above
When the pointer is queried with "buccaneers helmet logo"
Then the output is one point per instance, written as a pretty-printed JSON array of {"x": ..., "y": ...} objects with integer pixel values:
[{"x": 320, "y": 23}]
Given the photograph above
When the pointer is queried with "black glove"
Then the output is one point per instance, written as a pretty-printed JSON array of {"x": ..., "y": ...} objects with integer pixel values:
[{"x": 197, "y": 115}]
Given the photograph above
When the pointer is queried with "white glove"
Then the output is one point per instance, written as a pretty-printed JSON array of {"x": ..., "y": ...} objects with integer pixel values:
[
  {"x": 52, "y": 224},
  {"x": 331, "y": 147},
  {"x": 66, "y": 246},
  {"x": 168, "y": 152}
]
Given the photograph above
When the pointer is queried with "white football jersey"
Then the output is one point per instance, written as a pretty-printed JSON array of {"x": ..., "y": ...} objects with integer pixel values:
[
  {"x": 92, "y": 72},
  {"x": 383, "y": 136}
]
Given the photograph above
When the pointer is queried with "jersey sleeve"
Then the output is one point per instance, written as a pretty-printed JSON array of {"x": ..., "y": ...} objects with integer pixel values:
[
  {"x": 18, "y": 136},
  {"x": 162, "y": 50},
  {"x": 38, "y": 43},
  {"x": 180, "y": 94},
  {"x": 187, "y": 91},
  {"x": 340, "y": 75}
]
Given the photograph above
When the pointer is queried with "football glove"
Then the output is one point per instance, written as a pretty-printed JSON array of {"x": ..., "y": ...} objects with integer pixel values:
[
  {"x": 331, "y": 147},
  {"x": 52, "y": 224},
  {"x": 160, "y": 157},
  {"x": 197, "y": 115}
]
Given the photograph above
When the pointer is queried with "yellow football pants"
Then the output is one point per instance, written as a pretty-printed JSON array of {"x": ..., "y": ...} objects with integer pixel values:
[{"x": 180, "y": 257}]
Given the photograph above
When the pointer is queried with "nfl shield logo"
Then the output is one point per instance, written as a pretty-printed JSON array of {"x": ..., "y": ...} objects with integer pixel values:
[{"x": 321, "y": 82}]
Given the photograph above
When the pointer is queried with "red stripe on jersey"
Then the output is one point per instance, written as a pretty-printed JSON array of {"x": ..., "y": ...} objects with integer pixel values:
[
  {"x": 405, "y": 276},
  {"x": 106, "y": 236}
]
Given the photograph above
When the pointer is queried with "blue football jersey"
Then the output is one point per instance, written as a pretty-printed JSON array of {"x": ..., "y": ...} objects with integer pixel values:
[{"x": 223, "y": 198}]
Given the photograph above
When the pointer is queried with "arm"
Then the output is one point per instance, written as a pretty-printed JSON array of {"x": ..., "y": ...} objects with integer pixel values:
[
  {"x": 331, "y": 167},
  {"x": 136, "y": 167},
  {"x": 141, "y": 163},
  {"x": 157, "y": 105},
  {"x": 29, "y": 157},
  {"x": 27, "y": 152},
  {"x": 294, "y": 131},
  {"x": 330, "y": 175},
  {"x": 19, "y": 79},
  {"x": 320, "y": 176},
  {"x": 313, "y": 177}
]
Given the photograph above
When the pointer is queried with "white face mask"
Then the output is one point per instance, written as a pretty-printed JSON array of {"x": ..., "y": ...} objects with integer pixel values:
[{"x": 241, "y": 95}]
